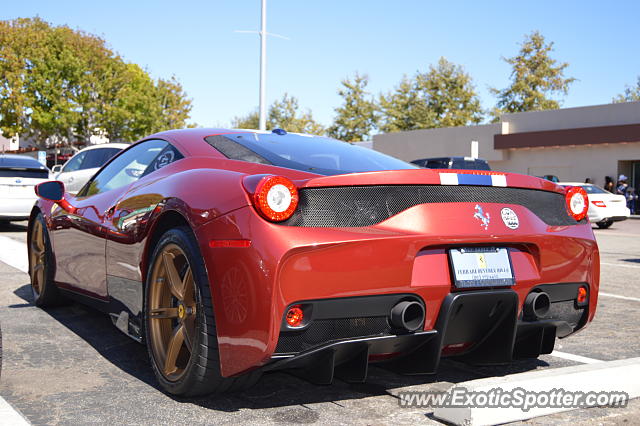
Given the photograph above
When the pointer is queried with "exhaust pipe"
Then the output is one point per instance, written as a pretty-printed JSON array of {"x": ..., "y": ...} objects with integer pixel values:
[
  {"x": 408, "y": 315},
  {"x": 536, "y": 306}
]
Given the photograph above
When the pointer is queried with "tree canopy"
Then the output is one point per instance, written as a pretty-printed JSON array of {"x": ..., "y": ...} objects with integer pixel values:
[
  {"x": 442, "y": 97},
  {"x": 283, "y": 114},
  {"x": 356, "y": 118},
  {"x": 59, "y": 85},
  {"x": 630, "y": 94},
  {"x": 535, "y": 77}
]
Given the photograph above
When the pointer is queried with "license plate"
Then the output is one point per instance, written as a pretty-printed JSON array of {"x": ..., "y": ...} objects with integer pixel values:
[{"x": 481, "y": 267}]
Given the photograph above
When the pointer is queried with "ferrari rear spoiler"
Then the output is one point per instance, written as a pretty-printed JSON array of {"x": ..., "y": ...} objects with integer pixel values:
[{"x": 433, "y": 177}]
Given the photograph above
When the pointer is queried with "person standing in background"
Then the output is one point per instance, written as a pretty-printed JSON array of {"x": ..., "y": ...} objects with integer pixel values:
[
  {"x": 608, "y": 184},
  {"x": 621, "y": 189}
]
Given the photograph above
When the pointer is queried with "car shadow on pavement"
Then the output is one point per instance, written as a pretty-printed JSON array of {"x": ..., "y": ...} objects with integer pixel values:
[
  {"x": 13, "y": 227},
  {"x": 275, "y": 389}
]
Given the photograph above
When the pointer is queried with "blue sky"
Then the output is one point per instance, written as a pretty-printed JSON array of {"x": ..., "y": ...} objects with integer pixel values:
[{"x": 329, "y": 40}]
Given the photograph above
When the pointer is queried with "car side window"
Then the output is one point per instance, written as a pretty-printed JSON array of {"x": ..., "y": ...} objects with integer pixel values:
[
  {"x": 75, "y": 163},
  {"x": 97, "y": 157},
  {"x": 128, "y": 167}
]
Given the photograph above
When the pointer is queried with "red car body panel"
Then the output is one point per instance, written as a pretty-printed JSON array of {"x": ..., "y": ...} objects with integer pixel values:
[{"x": 110, "y": 235}]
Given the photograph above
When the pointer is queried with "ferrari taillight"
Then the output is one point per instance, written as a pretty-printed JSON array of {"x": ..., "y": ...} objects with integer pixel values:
[
  {"x": 599, "y": 203},
  {"x": 276, "y": 198},
  {"x": 577, "y": 202},
  {"x": 295, "y": 315}
]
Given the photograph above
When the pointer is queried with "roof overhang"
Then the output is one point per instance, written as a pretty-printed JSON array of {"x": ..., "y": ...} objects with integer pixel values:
[{"x": 565, "y": 137}]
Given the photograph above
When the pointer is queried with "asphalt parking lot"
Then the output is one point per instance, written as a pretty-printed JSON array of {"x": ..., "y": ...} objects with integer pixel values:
[{"x": 69, "y": 365}]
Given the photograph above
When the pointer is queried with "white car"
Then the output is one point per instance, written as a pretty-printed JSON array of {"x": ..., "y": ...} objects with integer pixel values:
[
  {"x": 82, "y": 166},
  {"x": 604, "y": 207},
  {"x": 19, "y": 174}
]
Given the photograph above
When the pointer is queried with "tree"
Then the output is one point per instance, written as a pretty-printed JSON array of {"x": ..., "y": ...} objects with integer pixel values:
[
  {"x": 450, "y": 95},
  {"x": 442, "y": 97},
  {"x": 535, "y": 76},
  {"x": 59, "y": 85},
  {"x": 282, "y": 114},
  {"x": 356, "y": 118},
  {"x": 630, "y": 94},
  {"x": 404, "y": 109}
]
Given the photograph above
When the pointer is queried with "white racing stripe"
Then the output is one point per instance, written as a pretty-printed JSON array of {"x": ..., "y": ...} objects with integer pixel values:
[{"x": 576, "y": 358}]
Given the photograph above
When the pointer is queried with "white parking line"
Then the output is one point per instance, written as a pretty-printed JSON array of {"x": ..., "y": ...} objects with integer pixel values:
[
  {"x": 576, "y": 358},
  {"x": 610, "y": 376},
  {"x": 635, "y": 299},
  {"x": 10, "y": 416},
  {"x": 620, "y": 264},
  {"x": 14, "y": 253}
]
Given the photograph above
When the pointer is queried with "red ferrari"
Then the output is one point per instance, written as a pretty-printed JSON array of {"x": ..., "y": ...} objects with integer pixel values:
[{"x": 230, "y": 253}]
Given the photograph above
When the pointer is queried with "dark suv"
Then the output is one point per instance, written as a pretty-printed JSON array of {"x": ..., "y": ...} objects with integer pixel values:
[{"x": 461, "y": 163}]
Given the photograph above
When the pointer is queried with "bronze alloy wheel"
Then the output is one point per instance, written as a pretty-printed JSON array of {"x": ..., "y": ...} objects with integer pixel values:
[
  {"x": 172, "y": 312},
  {"x": 37, "y": 258}
]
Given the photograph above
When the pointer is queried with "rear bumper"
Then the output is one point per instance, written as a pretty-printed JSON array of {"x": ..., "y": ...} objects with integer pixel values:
[
  {"x": 481, "y": 327},
  {"x": 16, "y": 208},
  {"x": 404, "y": 255},
  {"x": 598, "y": 214}
]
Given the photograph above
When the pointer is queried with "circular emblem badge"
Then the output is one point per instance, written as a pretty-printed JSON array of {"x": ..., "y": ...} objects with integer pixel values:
[{"x": 510, "y": 218}]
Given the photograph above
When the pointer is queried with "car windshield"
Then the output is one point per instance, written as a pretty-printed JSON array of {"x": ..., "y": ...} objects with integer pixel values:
[
  {"x": 592, "y": 189},
  {"x": 314, "y": 154}
]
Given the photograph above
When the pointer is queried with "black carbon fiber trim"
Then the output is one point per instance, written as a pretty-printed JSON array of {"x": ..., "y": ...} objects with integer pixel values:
[
  {"x": 353, "y": 206},
  {"x": 324, "y": 331}
]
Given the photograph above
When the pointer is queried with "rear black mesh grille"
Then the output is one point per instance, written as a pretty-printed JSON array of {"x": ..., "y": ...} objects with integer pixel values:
[
  {"x": 352, "y": 206},
  {"x": 324, "y": 331}
]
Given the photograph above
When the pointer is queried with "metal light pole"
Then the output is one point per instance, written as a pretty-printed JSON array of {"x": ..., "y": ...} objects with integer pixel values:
[
  {"x": 263, "y": 68},
  {"x": 262, "y": 109}
]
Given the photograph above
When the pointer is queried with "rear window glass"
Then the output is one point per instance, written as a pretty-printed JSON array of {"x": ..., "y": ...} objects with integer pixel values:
[
  {"x": 313, "y": 154},
  {"x": 592, "y": 189},
  {"x": 437, "y": 164},
  {"x": 20, "y": 166},
  {"x": 470, "y": 165},
  {"x": 24, "y": 173},
  {"x": 20, "y": 161}
]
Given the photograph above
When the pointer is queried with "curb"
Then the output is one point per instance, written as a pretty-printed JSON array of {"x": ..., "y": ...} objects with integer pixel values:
[{"x": 609, "y": 376}]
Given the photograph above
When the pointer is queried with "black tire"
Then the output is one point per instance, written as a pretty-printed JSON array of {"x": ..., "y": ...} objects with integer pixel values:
[
  {"x": 48, "y": 294},
  {"x": 604, "y": 224},
  {"x": 202, "y": 371}
]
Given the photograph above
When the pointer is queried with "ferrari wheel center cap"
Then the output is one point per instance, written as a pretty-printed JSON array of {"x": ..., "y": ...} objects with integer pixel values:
[{"x": 181, "y": 311}]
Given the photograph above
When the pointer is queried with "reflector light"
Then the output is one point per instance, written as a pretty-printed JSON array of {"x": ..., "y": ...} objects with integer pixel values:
[
  {"x": 229, "y": 243},
  {"x": 295, "y": 316},
  {"x": 276, "y": 198},
  {"x": 599, "y": 203},
  {"x": 577, "y": 202},
  {"x": 582, "y": 295}
]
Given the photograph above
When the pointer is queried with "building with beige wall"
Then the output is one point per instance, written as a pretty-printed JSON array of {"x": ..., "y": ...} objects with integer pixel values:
[{"x": 572, "y": 143}]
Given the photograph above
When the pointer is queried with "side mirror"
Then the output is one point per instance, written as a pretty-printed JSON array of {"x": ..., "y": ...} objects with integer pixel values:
[
  {"x": 57, "y": 168},
  {"x": 54, "y": 191}
]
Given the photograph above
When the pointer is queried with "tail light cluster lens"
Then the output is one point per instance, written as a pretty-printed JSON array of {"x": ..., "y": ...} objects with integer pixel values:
[
  {"x": 577, "y": 202},
  {"x": 599, "y": 203},
  {"x": 295, "y": 316},
  {"x": 582, "y": 296},
  {"x": 276, "y": 198}
]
